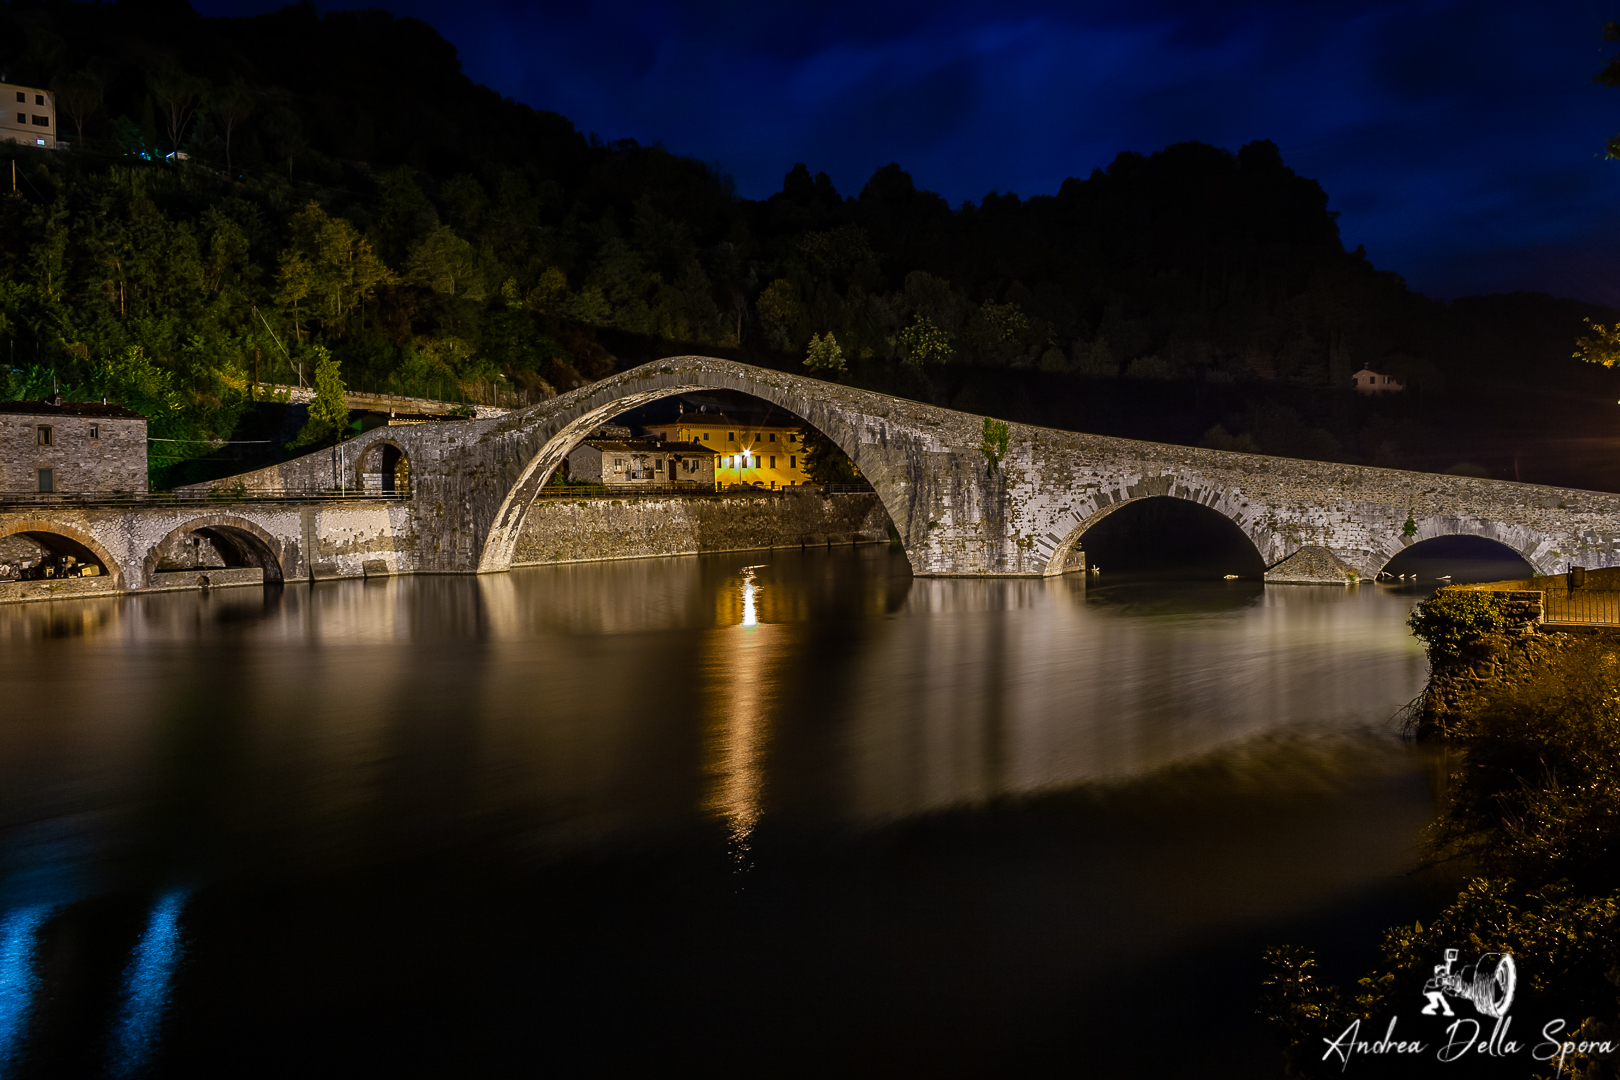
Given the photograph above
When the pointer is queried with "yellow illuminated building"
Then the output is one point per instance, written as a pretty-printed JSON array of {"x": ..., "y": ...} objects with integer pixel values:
[{"x": 757, "y": 455}]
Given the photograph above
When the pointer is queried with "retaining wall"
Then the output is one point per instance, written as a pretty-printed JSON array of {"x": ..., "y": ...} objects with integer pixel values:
[{"x": 592, "y": 530}]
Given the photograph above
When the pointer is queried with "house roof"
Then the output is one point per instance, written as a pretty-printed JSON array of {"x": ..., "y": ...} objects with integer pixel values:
[
  {"x": 711, "y": 421},
  {"x": 111, "y": 411},
  {"x": 644, "y": 446}
]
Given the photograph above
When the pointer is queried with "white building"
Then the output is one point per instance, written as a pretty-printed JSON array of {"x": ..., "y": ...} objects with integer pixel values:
[
  {"x": 27, "y": 115},
  {"x": 1369, "y": 381},
  {"x": 642, "y": 463}
]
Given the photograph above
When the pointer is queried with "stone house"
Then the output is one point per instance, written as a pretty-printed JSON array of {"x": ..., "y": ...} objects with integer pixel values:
[
  {"x": 75, "y": 447},
  {"x": 642, "y": 462}
]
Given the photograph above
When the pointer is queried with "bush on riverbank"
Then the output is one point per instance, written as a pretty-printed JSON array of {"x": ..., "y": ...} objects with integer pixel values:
[{"x": 1532, "y": 806}]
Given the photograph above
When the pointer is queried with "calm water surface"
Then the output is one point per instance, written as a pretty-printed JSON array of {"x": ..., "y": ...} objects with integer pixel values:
[{"x": 770, "y": 814}]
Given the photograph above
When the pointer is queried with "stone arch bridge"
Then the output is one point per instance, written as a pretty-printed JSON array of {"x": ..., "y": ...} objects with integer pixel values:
[{"x": 957, "y": 512}]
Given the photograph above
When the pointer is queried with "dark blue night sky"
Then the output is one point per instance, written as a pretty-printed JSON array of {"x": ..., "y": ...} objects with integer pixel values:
[{"x": 1461, "y": 142}]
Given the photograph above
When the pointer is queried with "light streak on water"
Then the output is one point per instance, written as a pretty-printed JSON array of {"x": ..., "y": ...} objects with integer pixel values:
[
  {"x": 19, "y": 934},
  {"x": 147, "y": 982},
  {"x": 750, "y": 613}
]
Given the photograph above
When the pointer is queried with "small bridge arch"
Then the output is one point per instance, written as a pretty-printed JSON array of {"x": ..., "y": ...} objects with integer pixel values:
[
  {"x": 1533, "y": 546},
  {"x": 1068, "y": 556},
  {"x": 67, "y": 540},
  {"x": 239, "y": 541}
]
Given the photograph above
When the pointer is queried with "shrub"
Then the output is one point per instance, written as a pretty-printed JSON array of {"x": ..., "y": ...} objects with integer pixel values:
[{"x": 1451, "y": 621}]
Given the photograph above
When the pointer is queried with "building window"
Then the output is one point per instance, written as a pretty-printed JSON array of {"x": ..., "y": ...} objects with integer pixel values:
[
  {"x": 793, "y": 461},
  {"x": 731, "y": 436},
  {"x": 773, "y": 436},
  {"x": 41, "y": 121},
  {"x": 39, "y": 99},
  {"x": 773, "y": 461},
  {"x": 47, "y": 480},
  {"x": 46, "y": 436},
  {"x": 659, "y": 465},
  {"x": 95, "y": 431},
  {"x": 21, "y": 96}
]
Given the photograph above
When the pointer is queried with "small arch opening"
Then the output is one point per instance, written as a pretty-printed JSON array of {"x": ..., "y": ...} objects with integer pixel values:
[
  {"x": 384, "y": 468},
  {"x": 215, "y": 547},
  {"x": 1169, "y": 537},
  {"x": 39, "y": 555},
  {"x": 1442, "y": 560}
]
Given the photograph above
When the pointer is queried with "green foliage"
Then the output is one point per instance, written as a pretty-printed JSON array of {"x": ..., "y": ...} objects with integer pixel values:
[
  {"x": 1452, "y": 621},
  {"x": 924, "y": 343},
  {"x": 780, "y": 313},
  {"x": 1602, "y": 346},
  {"x": 1531, "y": 802},
  {"x": 823, "y": 356},
  {"x": 824, "y": 459},
  {"x": 1536, "y": 793},
  {"x": 997, "y": 433},
  {"x": 1409, "y": 529},
  {"x": 329, "y": 412}
]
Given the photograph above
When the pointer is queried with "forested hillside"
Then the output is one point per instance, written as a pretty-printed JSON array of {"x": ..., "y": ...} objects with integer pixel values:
[{"x": 242, "y": 195}]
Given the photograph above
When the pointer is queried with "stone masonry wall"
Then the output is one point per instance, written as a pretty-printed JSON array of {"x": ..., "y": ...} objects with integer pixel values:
[
  {"x": 588, "y": 530},
  {"x": 113, "y": 461}
]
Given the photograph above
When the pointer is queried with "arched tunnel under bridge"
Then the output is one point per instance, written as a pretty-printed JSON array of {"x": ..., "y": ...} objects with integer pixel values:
[
  {"x": 45, "y": 550},
  {"x": 1169, "y": 536}
]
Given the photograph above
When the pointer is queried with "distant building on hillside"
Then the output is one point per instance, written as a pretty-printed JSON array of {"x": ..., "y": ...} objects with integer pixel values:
[
  {"x": 751, "y": 454},
  {"x": 1369, "y": 381},
  {"x": 27, "y": 115},
  {"x": 642, "y": 463},
  {"x": 71, "y": 446}
]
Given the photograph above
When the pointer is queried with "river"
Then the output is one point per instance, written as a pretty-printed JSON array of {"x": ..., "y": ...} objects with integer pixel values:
[{"x": 767, "y": 814}]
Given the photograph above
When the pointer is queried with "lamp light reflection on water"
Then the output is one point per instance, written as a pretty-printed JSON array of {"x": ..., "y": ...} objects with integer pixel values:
[
  {"x": 19, "y": 934},
  {"x": 740, "y": 720},
  {"x": 147, "y": 983},
  {"x": 750, "y": 612}
]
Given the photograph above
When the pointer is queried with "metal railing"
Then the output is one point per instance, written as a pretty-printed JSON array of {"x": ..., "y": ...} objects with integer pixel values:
[
  {"x": 1560, "y": 604},
  {"x": 130, "y": 499}
]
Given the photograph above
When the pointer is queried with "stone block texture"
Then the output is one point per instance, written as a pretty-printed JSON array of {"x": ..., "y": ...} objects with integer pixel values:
[
  {"x": 559, "y": 530},
  {"x": 86, "y": 446}
]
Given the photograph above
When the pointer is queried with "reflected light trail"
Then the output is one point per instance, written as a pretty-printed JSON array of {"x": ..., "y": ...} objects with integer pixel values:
[
  {"x": 147, "y": 982},
  {"x": 19, "y": 934},
  {"x": 740, "y": 722},
  {"x": 750, "y": 613}
]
